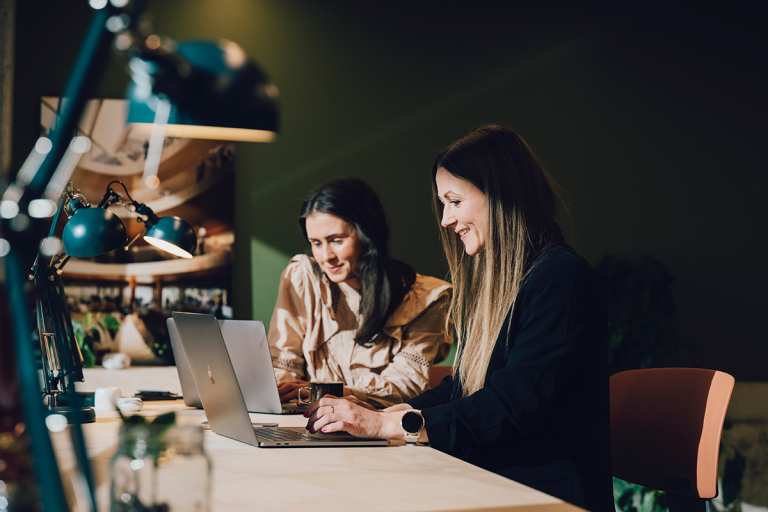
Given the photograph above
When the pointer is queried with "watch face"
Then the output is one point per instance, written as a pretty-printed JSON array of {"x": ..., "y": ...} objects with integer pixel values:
[{"x": 412, "y": 422}]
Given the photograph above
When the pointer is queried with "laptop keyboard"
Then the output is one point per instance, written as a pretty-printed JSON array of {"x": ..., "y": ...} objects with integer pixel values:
[{"x": 283, "y": 434}]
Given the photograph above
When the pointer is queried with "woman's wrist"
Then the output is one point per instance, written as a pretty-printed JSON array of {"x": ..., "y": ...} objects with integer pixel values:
[
  {"x": 393, "y": 428},
  {"x": 398, "y": 407}
]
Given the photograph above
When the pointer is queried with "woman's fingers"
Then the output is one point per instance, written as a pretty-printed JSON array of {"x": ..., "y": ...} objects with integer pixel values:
[
  {"x": 290, "y": 390},
  {"x": 313, "y": 412},
  {"x": 291, "y": 395},
  {"x": 336, "y": 426},
  {"x": 336, "y": 415},
  {"x": 291, "y": 385},
  {"x": 325, "y": 415}
]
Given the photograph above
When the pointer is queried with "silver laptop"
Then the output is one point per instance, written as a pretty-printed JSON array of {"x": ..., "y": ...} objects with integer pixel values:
[
  {"x": 220, "y": 394},
  {"x": 247, "y": 344}
]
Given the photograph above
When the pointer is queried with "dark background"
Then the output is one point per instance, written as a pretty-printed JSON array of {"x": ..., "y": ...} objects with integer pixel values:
[{"x": 651, "y": 115}]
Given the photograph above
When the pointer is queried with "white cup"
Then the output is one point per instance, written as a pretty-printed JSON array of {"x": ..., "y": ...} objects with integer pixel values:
[
  {"x": 105, "y": 399},
  {"x": 130, "y": 404}
]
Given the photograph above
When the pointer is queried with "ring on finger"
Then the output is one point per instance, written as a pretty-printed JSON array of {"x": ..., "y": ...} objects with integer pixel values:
[{"x": 332, "y": 410}]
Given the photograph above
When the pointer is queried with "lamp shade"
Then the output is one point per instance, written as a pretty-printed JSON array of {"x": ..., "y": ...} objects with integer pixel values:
[
  {"x": 93, "y": 231},
  {"x": 215, "y": 92},
  {"x": 173, "y": 235}
]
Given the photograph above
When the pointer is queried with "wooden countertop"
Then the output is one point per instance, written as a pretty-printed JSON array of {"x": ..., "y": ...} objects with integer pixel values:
[{"x": 395, "y": 478}]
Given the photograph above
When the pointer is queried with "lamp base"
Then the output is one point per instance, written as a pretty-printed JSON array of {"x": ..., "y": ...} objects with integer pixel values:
[{"x": 74, "y": 414}]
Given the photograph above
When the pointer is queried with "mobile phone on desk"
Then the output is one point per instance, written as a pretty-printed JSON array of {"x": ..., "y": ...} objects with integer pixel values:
[{"x": 148, "y": 395}]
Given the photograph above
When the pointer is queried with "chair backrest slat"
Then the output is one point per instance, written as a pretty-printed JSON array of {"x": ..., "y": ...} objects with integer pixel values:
[{"x": 665, "y": 428}]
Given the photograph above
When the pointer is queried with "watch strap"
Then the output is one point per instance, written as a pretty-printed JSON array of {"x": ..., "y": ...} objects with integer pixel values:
[{"x": 411, "y": 438}]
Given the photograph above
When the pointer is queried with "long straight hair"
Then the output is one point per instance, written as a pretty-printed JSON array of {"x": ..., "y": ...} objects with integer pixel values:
[
  {"x": 383, "y": 280},
  {"x": 522, "y": 205}
]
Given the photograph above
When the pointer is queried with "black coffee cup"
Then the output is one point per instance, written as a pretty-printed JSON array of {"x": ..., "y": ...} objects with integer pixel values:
[{"x": 318, "y": 390}]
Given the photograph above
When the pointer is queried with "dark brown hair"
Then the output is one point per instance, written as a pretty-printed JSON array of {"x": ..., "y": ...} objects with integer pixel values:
[{"x": 383, "y": 280}]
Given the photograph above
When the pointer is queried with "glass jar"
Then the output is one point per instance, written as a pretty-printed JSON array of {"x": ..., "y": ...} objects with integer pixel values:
[{"x": 160, "y": 468}]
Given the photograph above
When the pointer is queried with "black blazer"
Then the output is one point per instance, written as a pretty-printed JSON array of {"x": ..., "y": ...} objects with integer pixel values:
[{"x": 542, "y": 418}]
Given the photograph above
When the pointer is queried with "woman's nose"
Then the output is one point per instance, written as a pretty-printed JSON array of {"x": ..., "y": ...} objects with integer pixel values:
[{"x": 447, "y": 219}]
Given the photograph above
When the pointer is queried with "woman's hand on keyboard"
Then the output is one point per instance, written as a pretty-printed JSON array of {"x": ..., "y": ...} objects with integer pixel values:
[
  {"x": 357, "y": 401},
  {"x": 337, "y": 415},
  {"x": 289, "y": 390}
]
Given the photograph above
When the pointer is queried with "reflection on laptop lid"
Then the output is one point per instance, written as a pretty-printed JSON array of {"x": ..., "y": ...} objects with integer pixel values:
[
  {"x": 246, "y": 343},
  {"x": 214, "y": 376},
  {"x": 188, "y": 389}
]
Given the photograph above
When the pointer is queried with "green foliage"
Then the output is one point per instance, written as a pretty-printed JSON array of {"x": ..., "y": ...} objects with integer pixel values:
[
  {"x": 84, "y": 342},
  {"x": 142, "y": 436},
  {"x": 89, "y": 331},
  {"x": 630, "y": 497},
  {"x": 111, "y": 323}
]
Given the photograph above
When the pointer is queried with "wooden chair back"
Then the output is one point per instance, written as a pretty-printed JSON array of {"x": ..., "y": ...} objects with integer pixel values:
[{"x": 665, "y": 429}]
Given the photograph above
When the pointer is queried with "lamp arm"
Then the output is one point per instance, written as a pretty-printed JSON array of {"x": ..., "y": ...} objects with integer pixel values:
[
  {"x": 129, "y": 244},
  {"x": 127, "y": 194},
  {"x": 62, "y": 200},
  {"x": 46, "y": 469},
  {"x": 145, "y": 211},
  {"x": 60, "y": 264}
]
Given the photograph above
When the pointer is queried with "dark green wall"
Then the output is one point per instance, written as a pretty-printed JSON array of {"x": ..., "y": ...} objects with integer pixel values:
[{"x": 651, "y": 117}]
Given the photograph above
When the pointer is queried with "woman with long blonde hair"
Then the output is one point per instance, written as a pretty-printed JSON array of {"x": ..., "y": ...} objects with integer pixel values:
[{"x": 529, "y": 395}]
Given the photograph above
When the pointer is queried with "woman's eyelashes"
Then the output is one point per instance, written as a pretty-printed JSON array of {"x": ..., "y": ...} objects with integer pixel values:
[
  {"x": 454, "y": 202},
  {"x": 337, "y": 241}
]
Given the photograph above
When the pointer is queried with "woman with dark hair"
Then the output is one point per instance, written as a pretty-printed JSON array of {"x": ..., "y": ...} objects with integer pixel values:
[
  {"x": 351, "y": 313},
  {"x": 529, "y": 394}
]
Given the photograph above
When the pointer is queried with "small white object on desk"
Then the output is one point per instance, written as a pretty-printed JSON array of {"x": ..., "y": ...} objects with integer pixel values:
[
  {"x": 130, "y": 404},
  {"x": 116, "y": 361},
  {"x": 105, "y": 399}
]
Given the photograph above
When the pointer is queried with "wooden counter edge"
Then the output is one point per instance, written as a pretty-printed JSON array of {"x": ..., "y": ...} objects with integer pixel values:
[{"x": 541, "y": 507}]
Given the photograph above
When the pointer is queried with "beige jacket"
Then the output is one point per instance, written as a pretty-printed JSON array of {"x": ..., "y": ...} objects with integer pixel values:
[{"x": 311, "y": 335}]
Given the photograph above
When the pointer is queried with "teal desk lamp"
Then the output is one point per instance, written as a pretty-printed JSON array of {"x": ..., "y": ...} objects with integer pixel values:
[
  {"x": 172, "y": 235},
  {"x": 214, "y": 91},
  {"x": 91, "y": 231},
  {"x": 94, "y": 231}
]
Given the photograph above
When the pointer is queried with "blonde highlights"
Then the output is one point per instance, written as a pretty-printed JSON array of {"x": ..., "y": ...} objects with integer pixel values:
[{"x": 522, "y": 204}]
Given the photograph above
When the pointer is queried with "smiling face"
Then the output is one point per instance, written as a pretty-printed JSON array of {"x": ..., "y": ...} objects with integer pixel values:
[
  {"x": 464, "y": 210},
  {"x": 336, "y": 247}
]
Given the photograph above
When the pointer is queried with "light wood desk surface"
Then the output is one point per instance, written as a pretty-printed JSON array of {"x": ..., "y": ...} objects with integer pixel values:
[{"x": 396, "y": 478}]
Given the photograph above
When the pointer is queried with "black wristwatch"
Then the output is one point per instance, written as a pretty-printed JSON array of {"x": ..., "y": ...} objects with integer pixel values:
[{"x": 412, "y": 423}]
